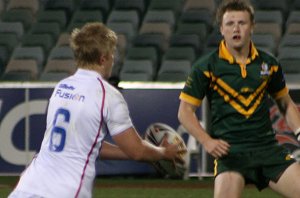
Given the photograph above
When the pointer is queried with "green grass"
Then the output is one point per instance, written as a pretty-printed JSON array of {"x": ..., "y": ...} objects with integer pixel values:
[{"x": 119, "y": 187}]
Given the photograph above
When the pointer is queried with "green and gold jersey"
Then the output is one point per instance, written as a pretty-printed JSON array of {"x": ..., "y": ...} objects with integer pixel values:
[{"x": 238, "y": 95}]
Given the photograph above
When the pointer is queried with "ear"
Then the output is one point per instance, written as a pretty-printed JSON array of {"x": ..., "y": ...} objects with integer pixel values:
[
  {"x": 221, "y": 30},
  {"x": 102, "y": 59}
]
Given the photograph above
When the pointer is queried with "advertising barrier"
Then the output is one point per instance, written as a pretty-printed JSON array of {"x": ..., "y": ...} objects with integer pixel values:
[{"x": 23, "y": 110}]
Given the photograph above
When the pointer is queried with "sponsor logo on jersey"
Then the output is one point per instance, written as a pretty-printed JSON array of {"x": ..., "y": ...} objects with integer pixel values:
[
  {"x": 69, "y": 96},
  {"x": 65, "y": 86}
]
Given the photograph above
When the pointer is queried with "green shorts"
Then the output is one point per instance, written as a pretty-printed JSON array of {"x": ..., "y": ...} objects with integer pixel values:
[{"x": 257, "y": 167}]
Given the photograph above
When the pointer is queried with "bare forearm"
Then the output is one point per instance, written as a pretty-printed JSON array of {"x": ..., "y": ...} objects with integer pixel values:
[
  {"x": 112, "y": 152},
  {"x": 293, "y": 117},
  {"x": 138, "y": 149}
]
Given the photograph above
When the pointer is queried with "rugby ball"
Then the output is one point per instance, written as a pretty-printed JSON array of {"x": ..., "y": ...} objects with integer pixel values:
[{"x": 154, "y": 135}]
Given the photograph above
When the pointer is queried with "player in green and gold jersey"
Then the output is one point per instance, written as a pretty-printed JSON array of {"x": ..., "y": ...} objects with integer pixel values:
[{"x": 237, "y": 80}]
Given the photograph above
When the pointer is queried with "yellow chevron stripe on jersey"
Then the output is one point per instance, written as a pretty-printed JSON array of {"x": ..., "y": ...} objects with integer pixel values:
[{"x": 232, "y": 96}]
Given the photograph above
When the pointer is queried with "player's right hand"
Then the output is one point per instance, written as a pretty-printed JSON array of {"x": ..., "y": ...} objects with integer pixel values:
[
  {"x": 216, "y": 147},
  {"x": 173, "y": 152}
]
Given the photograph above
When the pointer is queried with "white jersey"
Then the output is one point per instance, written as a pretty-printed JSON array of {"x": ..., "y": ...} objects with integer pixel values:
[{"x": 81, "y": 110}]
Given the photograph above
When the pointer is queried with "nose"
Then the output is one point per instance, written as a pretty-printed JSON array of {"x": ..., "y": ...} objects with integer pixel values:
[{"x": 236, "y": 27}]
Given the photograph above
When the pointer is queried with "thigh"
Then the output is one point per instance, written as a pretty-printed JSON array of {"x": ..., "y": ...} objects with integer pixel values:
[
  {"x": 288, "y": 184},
  {"x": 229, "y": 184}
]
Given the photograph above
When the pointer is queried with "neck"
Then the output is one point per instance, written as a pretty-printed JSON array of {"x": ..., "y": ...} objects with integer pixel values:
[
  {"x": 94, "y": 67},
  {"x": 240, "y": 54}
]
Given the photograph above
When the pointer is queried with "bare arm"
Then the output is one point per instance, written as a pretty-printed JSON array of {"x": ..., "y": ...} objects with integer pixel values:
[
  {"x": 189, "y": 120},
  {"x": 290, "y": 112},
  {"x": 138, "y": 149},
  {"x": 110, "y": 151}
]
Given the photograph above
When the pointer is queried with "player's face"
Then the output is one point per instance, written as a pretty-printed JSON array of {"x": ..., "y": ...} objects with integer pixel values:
[{"x": 236, "y": 29}]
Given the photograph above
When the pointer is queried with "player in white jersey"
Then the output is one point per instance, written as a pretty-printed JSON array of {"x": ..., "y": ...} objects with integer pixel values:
[{"x": 83, "y": 108}]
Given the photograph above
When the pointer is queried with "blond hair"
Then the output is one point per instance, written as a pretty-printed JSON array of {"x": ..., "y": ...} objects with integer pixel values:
[{"x": 91, "y": 42}]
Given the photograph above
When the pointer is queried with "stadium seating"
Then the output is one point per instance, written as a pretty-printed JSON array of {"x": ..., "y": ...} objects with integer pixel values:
[
  {"x": 55, "y": 16},
  {"x": 152, "y": 26},
  {"x": 289, "y": 58},
  {"x": 32, "y": 5},
  {"x": 137, "y": 70},
  {"x": 130, "y": 16},
  {"x": 174, "y": 70},
  {"x": 143, "y": 53},
  {"x": 15, "y": 28},
  {"x": 34, "y": 53},
  {"x": 45, "y": 41},
  {"x": 23, "y": 16},
  {"x": 160, "y": 16},
  {"x": 103, "y": 5}
]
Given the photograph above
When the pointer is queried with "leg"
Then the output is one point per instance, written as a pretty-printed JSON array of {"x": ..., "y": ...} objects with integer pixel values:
[
  {"x": 229, "y": 185},
  {"x": 288, "y": 184}
]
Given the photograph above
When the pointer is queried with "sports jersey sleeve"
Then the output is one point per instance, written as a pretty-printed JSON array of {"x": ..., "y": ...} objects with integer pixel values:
[
  {"x": 118, "y": 118},
  {"x": 195, "y": 87},
  {"x": 277, "y": 86}
]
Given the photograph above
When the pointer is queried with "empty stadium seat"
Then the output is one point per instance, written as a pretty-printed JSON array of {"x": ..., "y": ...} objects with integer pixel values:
[
  {"x": 180, "y": 53},
  {"x": 9, "y": 41},
  {"x": 162, "y": 28},
  {"x": 199, "y": 29},
  {"x": 289, "y": 57},
  {"x": 290, "y": 40},
  {"x": 63, "y": 39},
  {"x": 174, "y": 71},
  {"x": 44, "y": 41},
  {"x": 125, "y": 28},
  {"x": 53, "y": 16},
  {"x": 269, "y": 28},
  {"x": 186, "y": 40},
  {"x": 143, "y": 53},
  {"x": 129, "y": 16},
  {"x": 268, "y": 16},
  {"x": 23, "y": 65},
  {"x": 265, "y": 42},
  {"x": 49, "y": 28},
  {"x": 173, "y": 5},
  {"x": 19, "y": 15},
  {"x": 199, "y": 5},
  {"x": 60, "y": 65},
  {"x": 12, "y": 28},
  {"x": 29, "y": 53},
  {"x": 155, "y": 40},
  {"x": 61, "y": 52},
  {"x": 198, "y": 16},
  {"x": 32, "y": 5},
  {"x": 160, "y": 16},
  {"x": 137, "y": 70},
  {"x": 138, "y": 5},
  {"x": 103, "y": 5},
  {"x": 66, "y": 5}
]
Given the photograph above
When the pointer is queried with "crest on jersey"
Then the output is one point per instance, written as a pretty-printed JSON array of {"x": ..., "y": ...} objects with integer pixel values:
[{"x": 264, "y": 69}]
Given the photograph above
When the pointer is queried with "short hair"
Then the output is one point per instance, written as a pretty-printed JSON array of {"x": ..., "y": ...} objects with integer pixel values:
[
  {"x": 234, "y": 5},
  {"x": 92, "y": 41}
]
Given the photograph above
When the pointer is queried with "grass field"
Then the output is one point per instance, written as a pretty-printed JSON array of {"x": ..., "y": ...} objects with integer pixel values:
[{"x": 149, "y": 188}]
